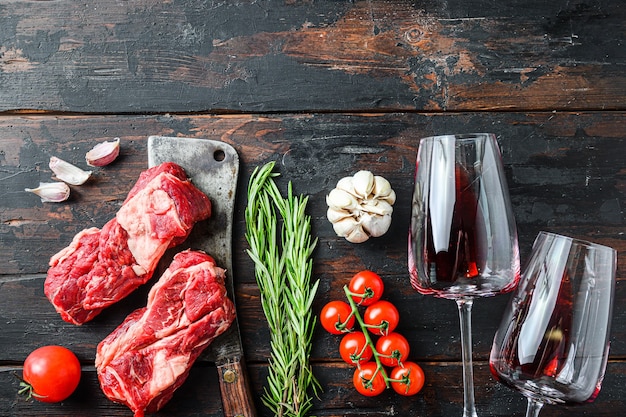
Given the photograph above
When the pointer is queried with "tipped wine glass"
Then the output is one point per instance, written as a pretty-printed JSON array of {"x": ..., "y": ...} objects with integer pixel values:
[
  {"x": 553, "y": 342},
  {"x": 462, "y": 238}
]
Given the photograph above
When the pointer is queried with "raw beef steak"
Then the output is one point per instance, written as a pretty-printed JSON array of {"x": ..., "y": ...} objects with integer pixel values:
[
  {"x": 100, "y": 267},
  {"x": 144, "y": 360}
]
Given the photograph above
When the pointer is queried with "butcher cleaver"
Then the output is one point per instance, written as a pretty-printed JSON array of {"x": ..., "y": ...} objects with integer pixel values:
[{"x": 213, "y": 167}]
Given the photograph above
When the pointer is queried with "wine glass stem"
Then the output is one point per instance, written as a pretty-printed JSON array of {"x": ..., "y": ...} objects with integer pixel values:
[
  {"x": 465, "y": 316},
  {"x": 534, "y": 407}
]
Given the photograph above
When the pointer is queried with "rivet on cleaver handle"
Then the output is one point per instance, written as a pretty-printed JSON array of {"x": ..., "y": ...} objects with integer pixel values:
[{"x": 213, "y": 167}]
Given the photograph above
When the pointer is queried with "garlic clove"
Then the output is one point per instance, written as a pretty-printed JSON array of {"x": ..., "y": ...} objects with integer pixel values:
[
  {"x": 382, "y": 187},
  {"x": 357, "y": 235},
  {"x": 341, "y": 199},
  {"x": 346, "y": 184},
  {"x": 391, "y": 198},
  {"x": 335, "y": 215},
  {"x": 379, "y": 207},
  {"x": 363, "y": 182},
  {"x": 103, "y": 153},
  {"x": 67, "y": 172},
  {"x": 351, "y": 230},
  {"x": 376, "y": 225},
  {"x": 51, "y": 192},
  {"x": 344, "y": 226}
]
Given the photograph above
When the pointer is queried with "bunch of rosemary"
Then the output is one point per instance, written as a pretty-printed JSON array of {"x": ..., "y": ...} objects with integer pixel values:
[{"x": 283, "y": 268}]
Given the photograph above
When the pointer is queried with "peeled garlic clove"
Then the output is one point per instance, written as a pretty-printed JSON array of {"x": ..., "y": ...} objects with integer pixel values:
[
  {"x": 340, "y": 199},
  {"x": 51, "y": 192},
  {"x": 67, "y": 172},
  {"x": 363, "y": 182},
  {"x": 103, "y": 153}
]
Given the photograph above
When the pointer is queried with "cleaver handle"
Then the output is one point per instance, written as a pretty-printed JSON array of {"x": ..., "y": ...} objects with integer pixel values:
[{"x": 235, "y": 388}]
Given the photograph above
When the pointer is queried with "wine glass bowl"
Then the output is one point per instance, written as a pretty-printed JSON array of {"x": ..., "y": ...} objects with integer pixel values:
[
  {"x": 462, "y": 236},
  {"x": 552, "y": 344}
]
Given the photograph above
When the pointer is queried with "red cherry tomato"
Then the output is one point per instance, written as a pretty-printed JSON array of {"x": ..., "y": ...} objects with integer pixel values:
[
  {"x": 368, "y": 284},
  {"x": 51, "y": 373},
  {"x": 336, "y": 317},
  {"x": 368, "y": 380},
  {"x": 407, "y": 379},
  {"x": 354, "y": 348},
  {"x": 382, "y": 317},
  {"x": 393, "y": 348}
]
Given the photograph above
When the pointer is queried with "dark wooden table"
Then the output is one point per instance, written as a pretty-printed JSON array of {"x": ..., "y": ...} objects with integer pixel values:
[{"x": 324, "y": 88}]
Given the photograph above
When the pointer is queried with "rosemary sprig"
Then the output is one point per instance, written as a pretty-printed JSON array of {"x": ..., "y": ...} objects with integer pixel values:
[{"x": 283, "y": 268}]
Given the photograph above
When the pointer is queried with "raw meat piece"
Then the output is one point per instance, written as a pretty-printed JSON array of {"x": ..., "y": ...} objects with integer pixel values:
[
  {"x": 100, "y": 267},
  {"x": 144, "y": 360}
]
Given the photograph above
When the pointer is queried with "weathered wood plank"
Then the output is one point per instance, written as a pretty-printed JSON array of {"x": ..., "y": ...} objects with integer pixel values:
[
  {"x": 441, "y": 396},
  {"x": 565, "y": 173},
  {"x": 188, "y": 56}
]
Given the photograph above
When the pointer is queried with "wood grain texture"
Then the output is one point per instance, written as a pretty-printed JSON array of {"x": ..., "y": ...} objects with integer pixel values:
[
  {"x": 439, "y": 396},
  {"x": 248, "y": 56},
  {"x": 565, "y": 174},
  {"x": 324, "y": 88}
]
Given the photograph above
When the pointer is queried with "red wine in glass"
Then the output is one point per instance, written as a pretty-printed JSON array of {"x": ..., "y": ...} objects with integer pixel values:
[
  {"x": 552, "y": 344},
  {"x": 464, "y": 256},
  {"x": 463, "y": 240}
]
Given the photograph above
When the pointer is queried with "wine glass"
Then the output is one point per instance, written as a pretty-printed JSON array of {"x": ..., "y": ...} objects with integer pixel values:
[
  {"x": 462, "y": 238},
  {"x": 553, "y": 342}
]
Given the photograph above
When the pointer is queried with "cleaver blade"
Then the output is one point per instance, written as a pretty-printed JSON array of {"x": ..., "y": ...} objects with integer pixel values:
[{"x": 213, "y": 167}]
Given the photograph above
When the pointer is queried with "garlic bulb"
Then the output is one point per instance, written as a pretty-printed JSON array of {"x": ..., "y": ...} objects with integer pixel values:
[
  {"x": 51, "y": 192},
  {"x": 67, "y": 172},
  {"x": 360, "y": 207},
  {"x": 103, "y": 153}
]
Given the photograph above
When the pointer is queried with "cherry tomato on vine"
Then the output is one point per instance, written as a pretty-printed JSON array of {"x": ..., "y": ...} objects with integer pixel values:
[
  {"x": 354, "y": 348},
  {"x": 383, "y": 316},
  {"x": 407, "y": 379},
  {"x": 367, "y": 283},
  {"x": 51, "y": 374},
  {"x": 334, "y": 315},
  {"x": 393, "y": 348},
  {"x": 368, "y": 380}
]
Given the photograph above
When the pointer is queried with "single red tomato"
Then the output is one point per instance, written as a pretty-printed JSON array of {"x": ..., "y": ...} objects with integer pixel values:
[
  {"x": 336, "y": 317},
  {"x": 381, "y": 318},
  {"x": 369, "y": 380},
  {"x": 393, "y": 348},
  {"x": 354, "y": 348},
  {"x": 51, "y": 374},
  {"x": 407, "y": 379},
  {"x": 369, "y": 285}
]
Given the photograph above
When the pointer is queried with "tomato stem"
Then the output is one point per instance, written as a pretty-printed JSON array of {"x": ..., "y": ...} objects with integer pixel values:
[
  {"x": 356, "y": 357},
  {"x": 383, "y": 327},
  {"x": 27, "y": 390},
  {"x": 368, "y": 339},
  {"x": 342, "y": 326},
  {"x": 369, "y": 293}
]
